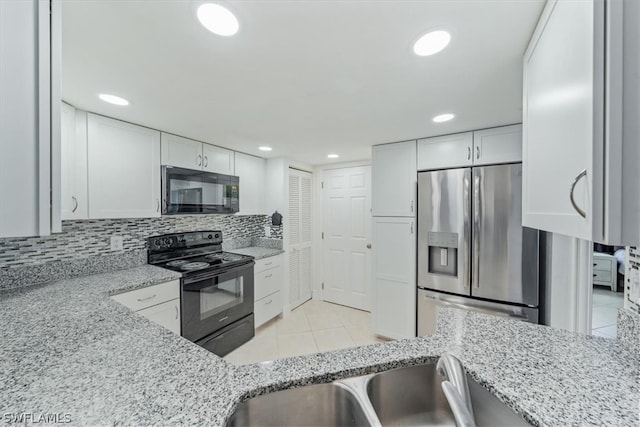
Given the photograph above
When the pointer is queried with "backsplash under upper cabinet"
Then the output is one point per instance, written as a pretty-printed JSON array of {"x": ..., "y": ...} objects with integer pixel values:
[{"x": 88, "y": 238}]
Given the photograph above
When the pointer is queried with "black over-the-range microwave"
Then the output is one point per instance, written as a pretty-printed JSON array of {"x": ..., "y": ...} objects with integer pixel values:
[{"x": 188, "y": 191}]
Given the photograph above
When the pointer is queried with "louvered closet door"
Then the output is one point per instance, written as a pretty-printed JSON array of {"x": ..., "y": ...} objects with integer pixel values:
[{"x": 299, "y": 237}]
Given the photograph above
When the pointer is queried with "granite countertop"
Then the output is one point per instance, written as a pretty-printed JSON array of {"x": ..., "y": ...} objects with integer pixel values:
[
  {"x": 258, "y": 252},
  {"x": 67, "y": 348}
]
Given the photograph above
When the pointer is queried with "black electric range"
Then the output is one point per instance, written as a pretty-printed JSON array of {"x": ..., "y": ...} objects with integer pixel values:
[{"x": 216, "y": 288}]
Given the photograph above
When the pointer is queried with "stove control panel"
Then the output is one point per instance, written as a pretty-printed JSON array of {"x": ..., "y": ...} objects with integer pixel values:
[{"x": 184, "y": 240}]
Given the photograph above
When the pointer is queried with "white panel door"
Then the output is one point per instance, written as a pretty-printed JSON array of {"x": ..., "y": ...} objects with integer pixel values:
[
  {"x": 443, "y": 152},
  {"x": 251, "y": 171},
  {"x": 124, "y": 169},
  {"x": 299, "y": 229},
  {"x": 394, "y": 277},
  {"x": 394, "y": 179},
  {"x": 181, "y": 152},
  {"x": 218, "y": 160},
  {"x": 346, "y": 226},
  {"x": 74, "y": 164},
  {"x": 562, "y": 94},
  {"x": 497, "y": 145}
]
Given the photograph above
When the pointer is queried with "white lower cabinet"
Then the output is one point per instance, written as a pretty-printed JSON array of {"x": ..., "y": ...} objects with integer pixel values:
[
  {"x": 158, "y": 303},
  {"x": 267, "y": 289},
  {"x": 394, "y": 275}
]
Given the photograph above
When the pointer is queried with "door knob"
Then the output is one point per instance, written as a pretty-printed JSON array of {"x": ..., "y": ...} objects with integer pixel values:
[{"x": 368, "y": 245}]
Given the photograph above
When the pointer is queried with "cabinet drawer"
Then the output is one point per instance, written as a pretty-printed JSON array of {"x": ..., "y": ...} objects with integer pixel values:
[
  {"x": 149, "y": 296},
  {"x": 267, "y": 308},
  {"x": 166, "y": 315},
  {"x": 602, "y": 275},
  {"x": 267, "y": 263},
  {"x": 602, "y": 264},
  {"x": 267, "y": 282}
]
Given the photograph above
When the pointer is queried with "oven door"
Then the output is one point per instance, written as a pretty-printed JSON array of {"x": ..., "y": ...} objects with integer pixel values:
[
  {"x": 212, "y": 301},
  {"x": 193, "y": 191}
]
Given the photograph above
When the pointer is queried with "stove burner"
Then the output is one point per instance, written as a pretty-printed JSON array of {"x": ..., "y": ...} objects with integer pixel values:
[
  {"x": 231, "y": 257},
  {"x": 214, "y": 258},
  {"x": 177, "y": 263},
  {"x": 194, "y": 266}
]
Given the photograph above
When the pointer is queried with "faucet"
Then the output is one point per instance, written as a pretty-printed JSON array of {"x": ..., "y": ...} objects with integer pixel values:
[{"x": 456, "y": 389}]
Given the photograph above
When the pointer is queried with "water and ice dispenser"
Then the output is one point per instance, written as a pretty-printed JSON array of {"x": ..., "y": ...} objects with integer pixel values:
[{"x": 443, "y": 253}]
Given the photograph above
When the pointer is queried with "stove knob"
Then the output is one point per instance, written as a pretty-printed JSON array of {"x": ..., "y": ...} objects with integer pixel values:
[{"x": 217, "y": 235}]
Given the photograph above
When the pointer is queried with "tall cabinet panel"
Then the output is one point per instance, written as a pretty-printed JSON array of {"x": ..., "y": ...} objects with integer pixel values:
[
  {"x": 74, "y": 163},
  {"x": 124, "y": 169},
  {"x": 251, "y": 171},
  {"x": 580, "y": 115},
  {"x": 393, "y": 180},
  {"x": 394, "y": 308}
]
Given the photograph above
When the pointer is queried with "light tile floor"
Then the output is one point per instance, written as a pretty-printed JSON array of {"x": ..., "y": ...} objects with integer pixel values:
[
  {"x": 605, "y": 311},
  {"x": 313, "y": 327}
]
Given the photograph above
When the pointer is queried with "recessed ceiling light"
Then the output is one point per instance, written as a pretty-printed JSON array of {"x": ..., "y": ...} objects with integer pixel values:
[
  {"x": 112, "y": 99},
  {"x": 264, "y": 148},
  {"x": 332, "y": 156},
  {"x": 431, "y": 43},
  {"x": 443, "y": 118},
  {"x": 218, "y": 19}
]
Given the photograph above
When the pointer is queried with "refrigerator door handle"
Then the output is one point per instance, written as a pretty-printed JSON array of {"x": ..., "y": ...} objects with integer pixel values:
[
  {"x": 466, "y": 196},
  {"x": 476, "y": 309},
  {"x": 477, "y": 212}
]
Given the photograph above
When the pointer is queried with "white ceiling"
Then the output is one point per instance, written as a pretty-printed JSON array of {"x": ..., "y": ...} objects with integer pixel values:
[{"x": 305, "y": 77}]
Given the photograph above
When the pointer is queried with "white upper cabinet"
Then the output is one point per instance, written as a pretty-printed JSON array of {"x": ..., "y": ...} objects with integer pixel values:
[
  {"x": 449, "y": 151},
  {"x": 74, "y": 164},
  {"x": 497, "y": 145},
  {"x": 251, "y": 171},
  {"x": 218, "y": 160},
  {"x": 580, "y": 122},
  {"x": 123, "y": 169},
  {"x": 181, "y": 152},
  {"x": 192, "y": 154},
  {"x": 394, "y": 180}
]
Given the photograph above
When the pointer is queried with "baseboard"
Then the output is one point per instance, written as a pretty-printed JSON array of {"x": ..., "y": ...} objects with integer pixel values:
[{"x": 317, "y": 295}]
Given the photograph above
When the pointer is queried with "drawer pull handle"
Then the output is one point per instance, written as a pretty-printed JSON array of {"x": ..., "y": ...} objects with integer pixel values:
[
  {"x": 147, "y": 298},
  {"x": 266, "y": 277},
  {"x": 594, "y": 274},
  {"x": 268, "y": 263},
  {"x": 177, "y": 311},
  {"x": 268, "y": 302},
  {"x": 223, "y": 319}
]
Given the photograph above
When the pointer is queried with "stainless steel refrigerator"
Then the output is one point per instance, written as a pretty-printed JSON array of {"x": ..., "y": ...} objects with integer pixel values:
[{"x": 473, "y": 252}]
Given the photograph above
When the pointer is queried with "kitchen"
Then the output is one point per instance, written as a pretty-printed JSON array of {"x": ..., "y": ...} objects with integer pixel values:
[{"x": 105, "y": 250}]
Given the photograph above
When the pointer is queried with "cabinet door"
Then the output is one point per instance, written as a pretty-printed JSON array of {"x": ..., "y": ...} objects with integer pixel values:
[
  {"x": 497, "y": 145},
  {"x": 218, "y": 160},
  {"x": 394, "y": 273},
  {"x": 251, "y": 171},
  {"x": 166, "y": 315},
  {"x": 181, "y": 152},
  {"x": 74, "y": 163},
  {"x": 124, "y": 169},
  {"x": 562, "y": 120},
  {"x": 442, "y": 152},
  {"x": 394, "y": 180}
]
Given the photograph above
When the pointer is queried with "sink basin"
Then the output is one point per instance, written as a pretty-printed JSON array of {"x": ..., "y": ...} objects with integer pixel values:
[
  {"x": 413, "y": 396},
  {"x": 410, "y": 396},
  {"x": 314, "y": 405}
]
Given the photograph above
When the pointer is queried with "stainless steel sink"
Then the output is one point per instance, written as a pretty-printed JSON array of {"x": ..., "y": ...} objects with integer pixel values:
[
  {"x": 413, "y": 396},
  {"x": 314, "y": 405},
  {"x": 410, "y": 396}
]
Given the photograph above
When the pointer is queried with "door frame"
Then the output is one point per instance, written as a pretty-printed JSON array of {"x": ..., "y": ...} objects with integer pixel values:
[{"x": 318, "y": 223}]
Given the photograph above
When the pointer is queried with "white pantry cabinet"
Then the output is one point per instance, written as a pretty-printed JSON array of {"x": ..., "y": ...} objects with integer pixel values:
[
  {"x": 580, "y": 121},
  {"x": 481, "y": 147},
  {"x": 123, "y": 169},
  {"x": 394, "y": 180},
  {"x": 74, "y": 192},
  {"x": 191, "y": 154},
  {"x": 251, "y": 171},
  {"x": 158, "y": 303},
  {"x": 394, "y": 277}
]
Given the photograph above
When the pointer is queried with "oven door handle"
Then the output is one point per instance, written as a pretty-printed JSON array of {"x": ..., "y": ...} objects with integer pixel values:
[{"x": 217, "y": 273}]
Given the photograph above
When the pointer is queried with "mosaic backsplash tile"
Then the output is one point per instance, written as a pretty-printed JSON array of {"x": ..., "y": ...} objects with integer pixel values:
[{"x": 90, "y": 238}]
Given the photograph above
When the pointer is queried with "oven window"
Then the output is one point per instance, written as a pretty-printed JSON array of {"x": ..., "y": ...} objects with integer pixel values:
[{"x": 218, "y": 298}]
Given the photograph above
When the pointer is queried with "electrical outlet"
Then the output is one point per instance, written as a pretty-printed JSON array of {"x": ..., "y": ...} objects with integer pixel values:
[
  {"x": 267, "y": 231},
  {"x": 117, "y": 243}
]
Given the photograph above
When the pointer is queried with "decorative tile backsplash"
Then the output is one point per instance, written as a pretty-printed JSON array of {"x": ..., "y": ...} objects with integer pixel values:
[{"x": 90, "y": 238}]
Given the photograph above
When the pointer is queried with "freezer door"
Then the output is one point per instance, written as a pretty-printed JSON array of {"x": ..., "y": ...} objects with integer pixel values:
[
  {"x": 505, "y": 254},
  {"x": 429, "y": 303},
  {"x": 444, "y": 230}
]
